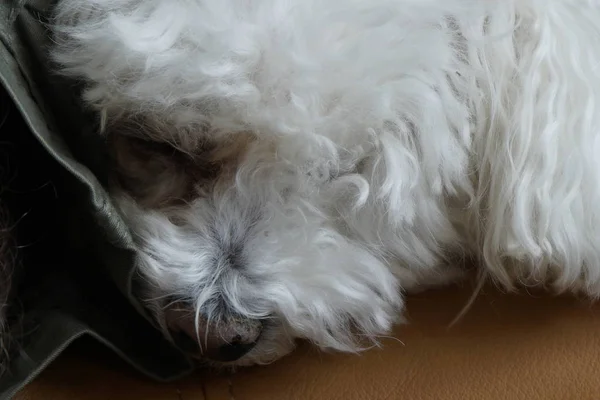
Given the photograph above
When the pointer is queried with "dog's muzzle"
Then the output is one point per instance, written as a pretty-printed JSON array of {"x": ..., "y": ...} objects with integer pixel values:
[{"x": 225, "y": 340}]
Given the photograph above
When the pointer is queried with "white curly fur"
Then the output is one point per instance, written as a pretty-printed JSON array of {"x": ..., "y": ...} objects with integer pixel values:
[{"x": 376, "y": 141}]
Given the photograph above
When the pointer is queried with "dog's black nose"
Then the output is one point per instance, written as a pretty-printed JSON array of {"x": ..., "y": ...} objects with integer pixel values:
[
  {"x": 233, "y": 351},
  {"x": 225, "y": 341},
  {"x": 225, "y": 352}
]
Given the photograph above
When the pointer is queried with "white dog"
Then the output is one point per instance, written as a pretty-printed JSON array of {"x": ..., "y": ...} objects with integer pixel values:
[{"x": 289, "y": 168}]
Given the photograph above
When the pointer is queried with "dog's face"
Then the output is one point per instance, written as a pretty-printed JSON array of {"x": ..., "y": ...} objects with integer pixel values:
[{"x": 240, "y": 253}]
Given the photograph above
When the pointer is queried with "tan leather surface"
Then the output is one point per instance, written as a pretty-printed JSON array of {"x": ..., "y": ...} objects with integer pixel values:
[{"x": 506, "y": 347}]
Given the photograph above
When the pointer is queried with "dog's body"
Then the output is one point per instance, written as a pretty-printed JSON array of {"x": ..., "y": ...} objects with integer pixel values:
[{"x": 334, "y": 154}]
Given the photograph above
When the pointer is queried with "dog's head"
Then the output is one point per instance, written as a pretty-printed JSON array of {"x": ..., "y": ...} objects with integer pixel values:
[{"x": 240, "y": 252}]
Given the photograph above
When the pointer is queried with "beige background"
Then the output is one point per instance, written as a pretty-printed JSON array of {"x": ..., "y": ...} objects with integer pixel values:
[{"x": 507, "y": 347}]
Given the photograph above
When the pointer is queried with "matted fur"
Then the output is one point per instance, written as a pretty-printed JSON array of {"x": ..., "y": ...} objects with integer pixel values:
[{"x": 381, "y": 139}]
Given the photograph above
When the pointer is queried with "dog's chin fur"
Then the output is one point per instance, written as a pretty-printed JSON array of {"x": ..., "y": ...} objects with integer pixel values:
[{"x": 331, "y": 155}]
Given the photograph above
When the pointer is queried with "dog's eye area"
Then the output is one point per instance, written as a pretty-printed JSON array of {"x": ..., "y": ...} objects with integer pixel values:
[
  {"x": 158, "y": 174},
  {"x": 177, "y": 220}
]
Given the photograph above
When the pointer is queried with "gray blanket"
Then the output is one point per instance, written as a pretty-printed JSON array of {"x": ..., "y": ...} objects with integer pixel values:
[{"x": 83, "y": 287}]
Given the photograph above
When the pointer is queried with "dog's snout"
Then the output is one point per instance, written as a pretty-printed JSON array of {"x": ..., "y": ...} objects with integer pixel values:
[
  {"x": 227, "y": 340},
  {"x": 231, "y": 351}
]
